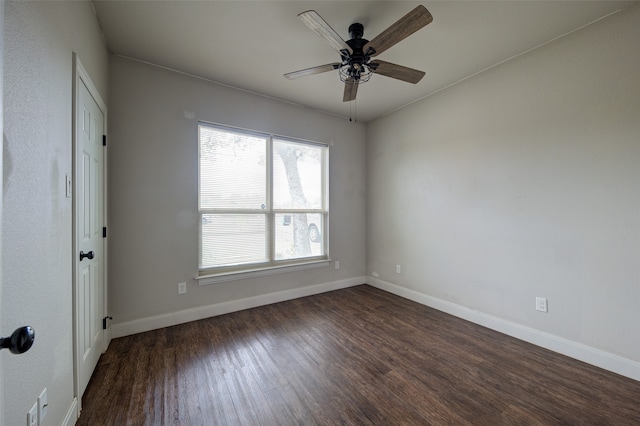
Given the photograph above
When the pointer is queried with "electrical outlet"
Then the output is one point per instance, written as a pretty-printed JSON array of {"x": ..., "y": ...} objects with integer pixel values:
[
  {"x": 32, "y": 415},
  {"x": 42, "y": 405},
  {"x": 337, "y": 264},
  {"x": 182, "y": 288},
  {"x": 541, "y": 304},
  {"x": 398, "y": 269},
  {"x": 374, "y": 274}
]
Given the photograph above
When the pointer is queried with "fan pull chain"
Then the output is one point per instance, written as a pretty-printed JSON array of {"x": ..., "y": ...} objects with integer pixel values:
[{"x": 353, "y": 107}]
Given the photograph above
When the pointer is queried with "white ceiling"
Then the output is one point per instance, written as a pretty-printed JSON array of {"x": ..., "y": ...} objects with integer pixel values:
[{"x": 251, "y": 44}]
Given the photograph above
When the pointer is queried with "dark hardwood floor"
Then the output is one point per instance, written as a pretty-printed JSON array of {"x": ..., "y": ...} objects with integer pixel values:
[{"x": 356, "y": 356}]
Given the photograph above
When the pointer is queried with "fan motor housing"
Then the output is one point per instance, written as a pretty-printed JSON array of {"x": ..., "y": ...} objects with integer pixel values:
[
  {"x": 357, "y": 58},
  {"x": 357, "y": 43}
]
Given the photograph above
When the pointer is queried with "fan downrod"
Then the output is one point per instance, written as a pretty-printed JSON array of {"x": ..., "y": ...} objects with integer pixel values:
[{"x": 356, "y": 30}]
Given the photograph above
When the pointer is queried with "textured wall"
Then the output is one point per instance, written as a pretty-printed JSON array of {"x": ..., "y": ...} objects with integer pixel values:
[
  {"x": 39, "y": 39},
  {"x": 522, "y": 181},
  {"x": 153, "y": 178}
]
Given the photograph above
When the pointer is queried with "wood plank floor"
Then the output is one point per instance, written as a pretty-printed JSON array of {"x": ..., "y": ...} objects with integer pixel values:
[{"x": 358, "y": 356}]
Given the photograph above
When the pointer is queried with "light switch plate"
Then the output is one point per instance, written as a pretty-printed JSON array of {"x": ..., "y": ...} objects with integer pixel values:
[
  {"x": 32, "y": 416},
  {"x": 43, "y": 404},
  {"x": 68, "y": 186}
]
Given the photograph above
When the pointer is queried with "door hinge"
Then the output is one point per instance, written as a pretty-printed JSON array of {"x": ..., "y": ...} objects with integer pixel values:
[
  {"x": 104, "y": 140},
  {"x": 104, "y": 322},
  {"x": 104, "y": 232}
]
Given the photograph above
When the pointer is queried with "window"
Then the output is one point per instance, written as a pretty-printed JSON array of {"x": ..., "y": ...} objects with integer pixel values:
[{"x": 262, "y": 200}]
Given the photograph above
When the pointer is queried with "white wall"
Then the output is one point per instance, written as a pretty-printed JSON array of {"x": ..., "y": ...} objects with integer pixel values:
[
  {"x": 153, "y": 170},
  {"x": 522, "y": 181},
  {"x": 39, "y": 38}
]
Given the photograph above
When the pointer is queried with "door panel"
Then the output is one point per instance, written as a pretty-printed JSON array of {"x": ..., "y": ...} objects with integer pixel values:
[{"x": 89, "y": 218}]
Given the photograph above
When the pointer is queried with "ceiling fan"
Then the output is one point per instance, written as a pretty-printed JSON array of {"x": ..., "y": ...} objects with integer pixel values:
[{"x": 356, "y": 54}]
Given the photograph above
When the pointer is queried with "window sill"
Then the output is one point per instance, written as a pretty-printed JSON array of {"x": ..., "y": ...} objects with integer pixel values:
[{"x": 262, "y": 272}]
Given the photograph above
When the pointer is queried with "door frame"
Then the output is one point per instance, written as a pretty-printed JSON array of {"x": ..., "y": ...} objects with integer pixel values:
[
  {"x": 1, "y": 191},
  {"x": 80, "y": 76}
]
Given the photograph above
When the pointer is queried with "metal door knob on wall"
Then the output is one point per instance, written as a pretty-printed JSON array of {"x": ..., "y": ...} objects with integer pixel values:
[{"x": 20, "y": 341}]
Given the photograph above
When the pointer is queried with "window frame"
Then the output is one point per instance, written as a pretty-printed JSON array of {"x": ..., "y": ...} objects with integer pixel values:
[{"x": 210, "y": 275}]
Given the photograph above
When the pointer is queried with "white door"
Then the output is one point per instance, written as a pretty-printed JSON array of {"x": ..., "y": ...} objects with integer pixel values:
[
  {"x": 89, "y": 241},
  {"x": 1, "y": 196}
]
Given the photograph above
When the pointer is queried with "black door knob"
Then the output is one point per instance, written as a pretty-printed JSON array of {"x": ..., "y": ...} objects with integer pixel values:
[
  {"x": 87, "y": 255},
  {"x": 20, "y": 341}
]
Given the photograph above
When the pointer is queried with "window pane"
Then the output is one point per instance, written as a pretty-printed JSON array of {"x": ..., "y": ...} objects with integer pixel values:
[
  {"x": 298, "y": 235},
  {"x": 231, "y": 239},
  {"x": 297, "y": 175},
  {"x": 232, "y": 170},
  {"x": 245, "y": 223}
]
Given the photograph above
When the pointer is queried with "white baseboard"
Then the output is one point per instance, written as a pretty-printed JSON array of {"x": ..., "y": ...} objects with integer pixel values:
[
  {"x": 194, "y": 314},
  {"x": 72, "y": 414},
  {"x": 599, "y": 358}
]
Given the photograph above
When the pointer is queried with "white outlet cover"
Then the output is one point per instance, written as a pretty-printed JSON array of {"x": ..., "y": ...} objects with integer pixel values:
[
  {"x": 541, "y": 304},
  {"x": 182, "y": 288}
]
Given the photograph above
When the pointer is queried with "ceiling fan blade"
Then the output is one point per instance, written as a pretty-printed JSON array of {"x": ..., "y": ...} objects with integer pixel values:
[
  {"x": 324, "y": 30},
  {"x": 311, "y": 71},
  {"x": 398, "y": 71},
  {"x": 350, "y": 90},
  {"x": 403, "y": 28}
]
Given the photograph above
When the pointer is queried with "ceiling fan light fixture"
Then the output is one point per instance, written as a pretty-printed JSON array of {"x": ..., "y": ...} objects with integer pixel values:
[{"x": 355, "y": 73}]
